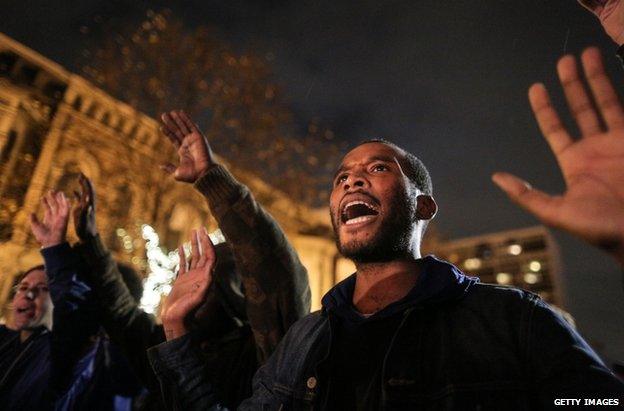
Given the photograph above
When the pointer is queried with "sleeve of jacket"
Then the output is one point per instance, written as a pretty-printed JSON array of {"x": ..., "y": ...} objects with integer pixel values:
[
  {"x": 72, "y": 314},
  {"x": 562, "y": 364},
  {"x": 181, "y": 373},
  {"x": 128, "y": 326},
  {"x": 184, "y": 385},
  {"x": 276, "y": 284}
]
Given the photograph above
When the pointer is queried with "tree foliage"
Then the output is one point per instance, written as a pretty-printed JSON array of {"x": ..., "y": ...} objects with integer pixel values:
[{"x": 161, "y": 65}]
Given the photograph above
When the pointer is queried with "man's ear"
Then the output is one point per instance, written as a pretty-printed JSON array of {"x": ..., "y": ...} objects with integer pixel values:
[{"x": 426, "y": 207}]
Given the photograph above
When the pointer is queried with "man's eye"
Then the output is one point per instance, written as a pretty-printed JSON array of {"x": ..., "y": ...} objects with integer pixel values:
[
  {"x": 341, "y": 179},
  {"x": 380, "y": 167}
]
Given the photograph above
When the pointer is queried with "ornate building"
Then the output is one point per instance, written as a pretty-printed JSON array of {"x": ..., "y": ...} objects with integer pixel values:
[{"x": 54, "y": 124}]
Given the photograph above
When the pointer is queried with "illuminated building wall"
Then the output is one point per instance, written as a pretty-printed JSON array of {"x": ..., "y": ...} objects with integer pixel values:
[
  {"x": 525, "y": 258},
  {"x": 54, "y": 124}
]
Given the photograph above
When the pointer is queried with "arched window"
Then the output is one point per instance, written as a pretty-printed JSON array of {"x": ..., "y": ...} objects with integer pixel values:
[{"x": 77, "y": 105}]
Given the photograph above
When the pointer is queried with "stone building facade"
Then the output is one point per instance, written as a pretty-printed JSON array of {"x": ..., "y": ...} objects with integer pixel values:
[{"x": 54, "y": 124}]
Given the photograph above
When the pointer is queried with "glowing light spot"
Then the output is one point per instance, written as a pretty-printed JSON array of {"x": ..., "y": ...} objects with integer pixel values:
[
  {"x": 472, "y": 263},
  {"x": 532, "y": 278},
  {"x": 504, "y": 278}
]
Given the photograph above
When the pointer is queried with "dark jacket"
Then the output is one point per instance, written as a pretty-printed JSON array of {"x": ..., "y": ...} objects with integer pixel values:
[
  {"x": 87, "y": 372},
  {"x": 25, "y": 370},
  {"x": 460, "y": 346},
  {"x": 275, "y": 285},
  {"x": 49, "y": 370}
]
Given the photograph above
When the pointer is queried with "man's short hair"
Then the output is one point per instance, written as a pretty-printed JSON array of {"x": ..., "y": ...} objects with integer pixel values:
[{"x": 413, "y": 168}]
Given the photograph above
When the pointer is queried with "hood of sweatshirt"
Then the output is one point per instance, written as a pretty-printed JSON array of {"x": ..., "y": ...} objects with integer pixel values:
[{"x": 438, "y": 282}]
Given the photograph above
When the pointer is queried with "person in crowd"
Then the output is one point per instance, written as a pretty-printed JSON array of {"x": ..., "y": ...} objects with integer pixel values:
[
  {"x": 25, "y": 349},
  {"x": 54, "y": 358},
  {"x": 86, "y": 371},
  {"x": 407, "y": 332},
  {"x": 260, "y": 287}
]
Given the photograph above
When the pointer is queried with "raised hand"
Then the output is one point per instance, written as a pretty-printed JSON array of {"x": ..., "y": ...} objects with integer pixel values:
[
  {"x": 592, "y": 206},
  {"x": 611, "y": 15},
  {"x": 53, "y": 229},
  {"x": 195, "y": 155},
  {"x": 189, "y": 288},
  {"x": 84, "y": 209}
]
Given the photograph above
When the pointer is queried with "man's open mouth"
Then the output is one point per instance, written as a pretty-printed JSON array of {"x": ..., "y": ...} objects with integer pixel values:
[{"x": 358, "y": 211}]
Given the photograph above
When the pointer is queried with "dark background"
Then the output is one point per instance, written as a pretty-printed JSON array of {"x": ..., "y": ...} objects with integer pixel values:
[{"x": 445, "y": 79}]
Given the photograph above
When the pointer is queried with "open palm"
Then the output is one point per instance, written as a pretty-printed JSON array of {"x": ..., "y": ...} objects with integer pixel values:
[
  {"x": 592, "y": 206},
  {"x": 53, "y": 229},
  {"x": 191, "y": 284},
  {"x": 194, "y": 153}
]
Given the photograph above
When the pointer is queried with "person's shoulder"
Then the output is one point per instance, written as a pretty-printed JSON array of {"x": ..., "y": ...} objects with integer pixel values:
[
  {"x": 500, "y": 297},
  {"x": 308, "y": 326}
]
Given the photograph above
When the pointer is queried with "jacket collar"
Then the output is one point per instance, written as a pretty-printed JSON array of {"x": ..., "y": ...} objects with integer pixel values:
[{"x": 439, "y": 282}]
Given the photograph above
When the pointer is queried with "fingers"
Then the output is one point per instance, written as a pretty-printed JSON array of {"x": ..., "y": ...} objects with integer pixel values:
[
  {"x": 534, "y": 201},
  {"x": 180, "y": 123},
  {"x": 88, "y": 192},
  {"x": 50, "y": 202},
  {"x": 171, "y": 136},
  {"x": 192, "y": 127},
  {"x": 579, "y": 101},
  {"x": 548, "y": 120},
  {"x": 171, "y": 129},
  {"x": 208, "y": 256},
  {"x": 605, "y": 96},
  {"x": 194, "y": 250},
  {"x": 63, "y": 204},
  {"x": 182, "y": 269}
]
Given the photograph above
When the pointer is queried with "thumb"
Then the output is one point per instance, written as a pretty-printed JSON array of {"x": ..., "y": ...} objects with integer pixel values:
[{"x": 536, "y": 202}]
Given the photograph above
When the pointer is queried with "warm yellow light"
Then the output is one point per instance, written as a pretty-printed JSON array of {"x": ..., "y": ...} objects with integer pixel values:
[
  {"x": 504, "y": 278},
  {"x": 532, "y": 278},
  {"x": 514, "y": 249},
  {"x": 472, "y": 263},
  {"x": 535, "y": 266}
]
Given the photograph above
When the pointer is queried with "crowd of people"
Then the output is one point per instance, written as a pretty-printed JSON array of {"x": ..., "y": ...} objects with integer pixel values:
[{"x": 405, "y": 331}]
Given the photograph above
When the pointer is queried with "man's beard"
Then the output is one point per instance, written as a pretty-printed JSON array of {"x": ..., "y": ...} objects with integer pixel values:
[{"x": 391, "y": 241}]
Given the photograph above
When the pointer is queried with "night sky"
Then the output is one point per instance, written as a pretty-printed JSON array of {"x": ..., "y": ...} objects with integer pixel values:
[{"x": 446, "y": 80}]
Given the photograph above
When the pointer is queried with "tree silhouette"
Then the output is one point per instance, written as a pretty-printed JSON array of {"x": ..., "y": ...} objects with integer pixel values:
[{"x": 162, "y": 65}]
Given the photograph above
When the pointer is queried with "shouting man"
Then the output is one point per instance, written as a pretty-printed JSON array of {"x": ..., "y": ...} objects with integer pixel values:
[{"x": 407, "y": 332}]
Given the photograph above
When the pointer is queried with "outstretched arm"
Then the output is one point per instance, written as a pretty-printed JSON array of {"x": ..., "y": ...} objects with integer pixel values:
[
  {"x": 72, "y": 298},
  {"x": 276, "y": 283},
  {"x": 592, "y": 207},
  {"x": 127, "y": 325}
]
